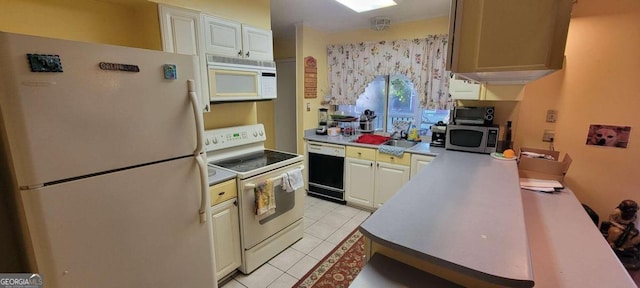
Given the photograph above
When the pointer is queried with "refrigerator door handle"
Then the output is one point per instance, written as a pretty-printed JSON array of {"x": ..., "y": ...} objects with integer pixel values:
[
  {"x": 196, "y": 113},
  {"x": 203, "y": 188},
  {"x": 196, "y": 154}
]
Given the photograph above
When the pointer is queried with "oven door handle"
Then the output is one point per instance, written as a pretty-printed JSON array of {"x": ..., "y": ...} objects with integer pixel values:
[
  {"x": 204, "y": 202},
  {"x": 196, "y": 113},
  {"x": 253, "y": 186}
]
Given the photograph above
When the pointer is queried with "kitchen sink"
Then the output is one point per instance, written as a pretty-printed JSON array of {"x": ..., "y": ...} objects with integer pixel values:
[{"x": 400, "y": 143}]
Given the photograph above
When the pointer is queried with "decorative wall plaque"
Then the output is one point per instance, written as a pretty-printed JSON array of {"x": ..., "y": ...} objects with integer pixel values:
[{"x": 310, "y": 77}]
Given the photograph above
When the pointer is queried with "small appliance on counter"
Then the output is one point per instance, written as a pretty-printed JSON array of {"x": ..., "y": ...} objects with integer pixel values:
[
  {"x": 473, "y": 115},
  {"x": 438, "y": 134},
  {"x": 323, "y": 119},
  {"x": 366, "y": 121}
]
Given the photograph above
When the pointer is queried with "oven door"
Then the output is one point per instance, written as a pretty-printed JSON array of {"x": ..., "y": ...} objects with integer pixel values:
[{"x": 289, "y": 207}]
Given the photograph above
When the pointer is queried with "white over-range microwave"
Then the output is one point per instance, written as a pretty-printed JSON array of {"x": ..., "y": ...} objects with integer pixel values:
[{"x": 233, "y": 79}]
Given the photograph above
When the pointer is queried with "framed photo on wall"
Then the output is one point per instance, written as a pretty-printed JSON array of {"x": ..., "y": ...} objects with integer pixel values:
[{"x": 608, "y": 135}]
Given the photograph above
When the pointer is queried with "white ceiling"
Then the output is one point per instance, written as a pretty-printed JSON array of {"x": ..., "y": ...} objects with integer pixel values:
[{"x": 331, "y": 16}]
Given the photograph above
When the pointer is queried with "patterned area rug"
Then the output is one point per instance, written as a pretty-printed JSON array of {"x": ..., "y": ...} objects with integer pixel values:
[{"x": 339, "y": 267}]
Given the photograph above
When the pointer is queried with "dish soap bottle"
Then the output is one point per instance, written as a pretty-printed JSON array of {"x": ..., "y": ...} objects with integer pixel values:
[{"x": 413, "y": 134}]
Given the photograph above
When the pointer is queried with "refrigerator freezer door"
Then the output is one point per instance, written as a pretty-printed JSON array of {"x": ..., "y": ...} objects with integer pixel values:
[
  {"x": 92, "y": 116},
  {"x": 138, "y": 227}
]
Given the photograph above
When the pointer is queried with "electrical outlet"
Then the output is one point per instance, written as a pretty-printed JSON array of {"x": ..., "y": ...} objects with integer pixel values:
[
  {"x": 548, "y": 136},
  {"x": 552, "y": 116}
]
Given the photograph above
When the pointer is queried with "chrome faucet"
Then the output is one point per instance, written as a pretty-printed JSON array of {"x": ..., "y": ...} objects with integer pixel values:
[{"x": 403, "y": 135}]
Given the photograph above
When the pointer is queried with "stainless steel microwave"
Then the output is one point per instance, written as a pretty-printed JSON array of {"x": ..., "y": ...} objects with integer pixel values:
[
  {"x": 480, "y": 139},
  {"x": 233, "y": 79}
]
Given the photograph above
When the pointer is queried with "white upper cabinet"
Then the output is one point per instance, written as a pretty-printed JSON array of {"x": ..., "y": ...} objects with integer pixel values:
[
  {"x": 222, "y": 37},
  {"x": 506, "y": 41},
  {"x": 257, "y": 43},
  {"x": 461, "y": 89},
  {"x": 232, "y": 39},
  {"x": 180, "y": 30}
]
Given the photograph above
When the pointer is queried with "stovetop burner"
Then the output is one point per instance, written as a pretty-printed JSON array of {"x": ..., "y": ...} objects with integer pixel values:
[{"x": 253, "y": 161}]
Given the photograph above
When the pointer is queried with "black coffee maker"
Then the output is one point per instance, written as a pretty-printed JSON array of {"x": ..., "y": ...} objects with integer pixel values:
[{"x": 438, "y": 134}]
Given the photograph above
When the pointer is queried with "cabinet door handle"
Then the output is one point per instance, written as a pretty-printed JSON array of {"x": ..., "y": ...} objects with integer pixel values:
[
  {"x": 235, "y": 202},
  {"x": 378, "y": 164},
  {"x": 359, "y": 153},
  {"x": 247, "y": 53},
  {"x": 240, "y": 53},
  {"x": 391, "y": 157},
  {"x": 371, "y": 164},
  {"x": 221, "y": 193}
]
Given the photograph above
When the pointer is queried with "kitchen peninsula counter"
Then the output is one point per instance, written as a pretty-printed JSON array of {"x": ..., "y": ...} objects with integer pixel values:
[
  {"x": 463, "y": 213},
  {"x": 465, "y": 219}
]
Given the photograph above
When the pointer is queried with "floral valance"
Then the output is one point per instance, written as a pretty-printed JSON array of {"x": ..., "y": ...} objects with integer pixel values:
[{"x": 353, "y": 66}]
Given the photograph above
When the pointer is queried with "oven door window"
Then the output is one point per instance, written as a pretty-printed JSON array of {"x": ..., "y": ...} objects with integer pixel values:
[
  {"x": 326, "y": 170},
  {"x": 285, "y": 201},
  {"x": 466, "y": 138}
]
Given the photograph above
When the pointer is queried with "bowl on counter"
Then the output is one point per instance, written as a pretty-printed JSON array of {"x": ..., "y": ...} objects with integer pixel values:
[{"x": 333, "y": 131}]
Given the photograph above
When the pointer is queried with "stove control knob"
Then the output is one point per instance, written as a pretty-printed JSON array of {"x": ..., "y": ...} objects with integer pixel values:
[
  {"x": 215, "y": 140},
  {"x": 206, "y": 142},
  {"x": 261, "y": 133},
  {"x": 255, "y": 134}
]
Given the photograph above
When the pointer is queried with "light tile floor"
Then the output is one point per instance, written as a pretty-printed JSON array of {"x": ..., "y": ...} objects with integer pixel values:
[{"x": 326, "y": 224}]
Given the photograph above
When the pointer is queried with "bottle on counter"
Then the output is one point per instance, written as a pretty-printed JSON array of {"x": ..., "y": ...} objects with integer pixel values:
[
  {"x": 413, "y": 134},
  {"x": 506, "y": 144}
]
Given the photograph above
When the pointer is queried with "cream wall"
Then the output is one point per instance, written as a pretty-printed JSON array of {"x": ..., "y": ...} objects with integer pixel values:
[
  {"x": 598, "y": 86},
  {"x": 88, "y": 21}
]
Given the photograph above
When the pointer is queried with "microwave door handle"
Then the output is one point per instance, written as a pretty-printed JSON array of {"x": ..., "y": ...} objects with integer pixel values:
[{"x": 196, "y": 113}]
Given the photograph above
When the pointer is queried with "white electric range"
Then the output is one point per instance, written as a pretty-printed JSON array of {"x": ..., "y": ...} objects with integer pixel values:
[{"x": 241, "y": 150}]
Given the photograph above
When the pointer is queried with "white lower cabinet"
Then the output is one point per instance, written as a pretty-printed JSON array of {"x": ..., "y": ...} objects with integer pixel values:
[
  {"x": 389, "y": 179},
  {"x": 359, "y": 184},
  {"x": 226, "y": 227},
  {"x": 372, "y": 178},
  {"x": 419, "y": 161},
  {"x": 226, "y": 237}
]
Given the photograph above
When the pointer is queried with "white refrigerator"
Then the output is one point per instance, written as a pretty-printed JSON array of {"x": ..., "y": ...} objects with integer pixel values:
[{"x": 104, "y": 144}]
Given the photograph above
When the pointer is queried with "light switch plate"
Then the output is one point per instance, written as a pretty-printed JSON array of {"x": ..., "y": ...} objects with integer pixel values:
[
  {"x": 552, "y": 116},
  {"x": 548, "y": 136}
]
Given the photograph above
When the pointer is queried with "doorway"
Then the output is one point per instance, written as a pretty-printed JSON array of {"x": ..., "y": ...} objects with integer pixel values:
[{"x": 285, "y": 106}]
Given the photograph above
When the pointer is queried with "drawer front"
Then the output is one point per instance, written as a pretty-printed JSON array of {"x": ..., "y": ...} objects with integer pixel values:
[
  {"x": 361, "y": 153},
  {"x": 223, "y": 191},
  {"x": 405, "y": 159}
]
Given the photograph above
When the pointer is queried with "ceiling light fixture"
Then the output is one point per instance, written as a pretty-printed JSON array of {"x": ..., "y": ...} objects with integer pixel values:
[
  {"x": 380, "y": 23},
  {"x": 366, "y": 5}
]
